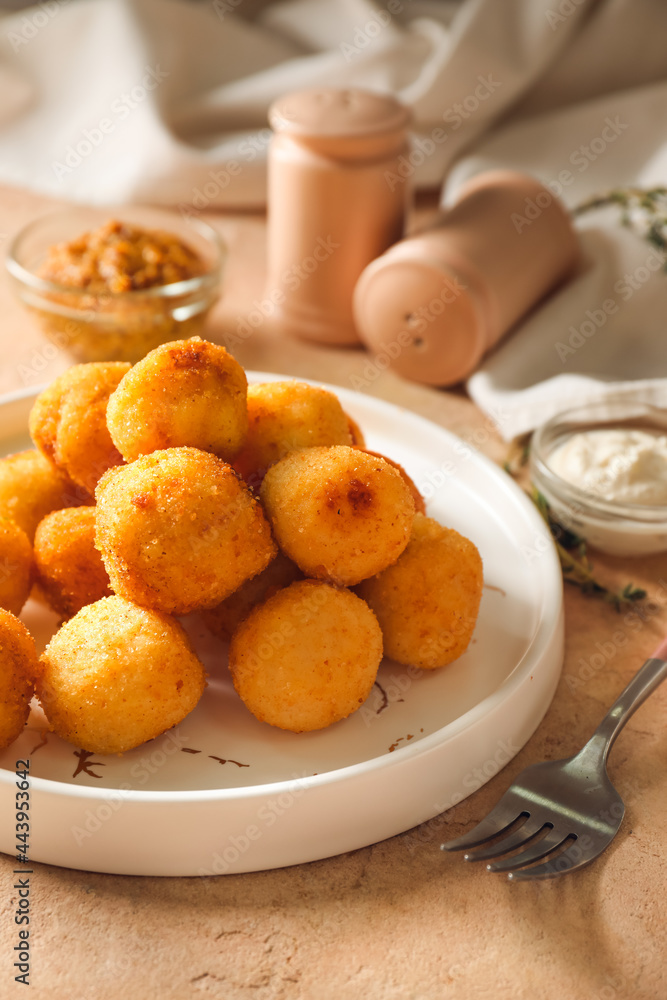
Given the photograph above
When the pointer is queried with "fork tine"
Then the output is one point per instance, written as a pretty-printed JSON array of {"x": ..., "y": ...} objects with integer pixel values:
[
  {"x": 539, "y": 849},
  {"x": 502, "y": 816},
  {"x": 568, "y": 861},
  {"x": 513, "y": 840}
]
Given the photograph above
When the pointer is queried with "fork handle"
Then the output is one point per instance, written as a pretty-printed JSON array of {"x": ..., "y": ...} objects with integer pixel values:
[{"x": 645, "y": 681}]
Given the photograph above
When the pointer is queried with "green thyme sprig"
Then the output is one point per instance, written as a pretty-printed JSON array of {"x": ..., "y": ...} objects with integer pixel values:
[
  {"x": 576, "y": 565},
  {"x": 572, "y": 550},
  {"x": 517, "y": 456},
  {"x": 642, "y": 209}
]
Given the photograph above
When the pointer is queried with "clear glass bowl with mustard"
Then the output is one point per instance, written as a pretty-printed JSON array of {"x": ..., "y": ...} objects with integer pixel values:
[{"x": 112, "y": 285}]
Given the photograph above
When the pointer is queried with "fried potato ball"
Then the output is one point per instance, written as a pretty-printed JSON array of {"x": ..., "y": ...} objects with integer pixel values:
[
  {"x": 284, "y": 416},
  {"x": 427, "y": 602},
  {"x": 69, "y": 569},
  {"x": 117, "y": 675},
  {"x": 307, "y": 657},
  {"x": 338, "y": 513},
  {"x": 18, "y": 668},
  {"x": 224, "y": 617},
  {"x": 68, "y": 422},
  {"x": 16, "y": 568},
  {"x": 420, "y": 506},
  {"x": 179, "y": 531},
  {"x": 30, "y": 488},
  {"x": 187, "y": 392}
]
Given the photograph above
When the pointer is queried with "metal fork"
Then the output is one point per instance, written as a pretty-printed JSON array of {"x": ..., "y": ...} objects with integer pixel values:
[{"x": 563, "y": 813}]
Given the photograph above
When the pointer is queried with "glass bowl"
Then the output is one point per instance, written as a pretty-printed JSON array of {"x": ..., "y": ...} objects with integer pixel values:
[
  {"x": 115, "y": 326},
  {"x": 618, "y": 528}
]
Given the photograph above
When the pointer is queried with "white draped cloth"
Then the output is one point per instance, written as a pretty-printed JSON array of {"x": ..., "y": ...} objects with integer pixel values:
[{"x": 165, "y": 101}]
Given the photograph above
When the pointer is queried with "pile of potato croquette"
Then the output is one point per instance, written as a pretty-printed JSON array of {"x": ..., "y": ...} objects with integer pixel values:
[{"x": 173, "y": 487}]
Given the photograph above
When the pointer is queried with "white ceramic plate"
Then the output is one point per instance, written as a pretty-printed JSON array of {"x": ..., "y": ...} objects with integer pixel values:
[{"x": 225, "y": 793}]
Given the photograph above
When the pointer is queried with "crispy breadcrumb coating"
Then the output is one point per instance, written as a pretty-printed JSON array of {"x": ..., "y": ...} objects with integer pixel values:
[
  {"x": 307, "y": 657},
  {"x": 69, "y": 569},
  {"x": 117, "y": 675},
  {"x": 339, "y": 514},
  {"x": 179, "y": 531},
  {"x": 184, "y": 393},
  {"x": 18, "y": 668},
  {"x": 68, "y": 422},
  {"x": 427, "y": 602}
]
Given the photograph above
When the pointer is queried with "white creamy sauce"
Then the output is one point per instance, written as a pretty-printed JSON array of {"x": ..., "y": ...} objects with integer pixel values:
[{"x": 625, "y": 466}]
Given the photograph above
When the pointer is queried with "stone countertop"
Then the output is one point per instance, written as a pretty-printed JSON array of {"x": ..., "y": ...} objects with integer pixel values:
[{"x": 399, "y": 920}]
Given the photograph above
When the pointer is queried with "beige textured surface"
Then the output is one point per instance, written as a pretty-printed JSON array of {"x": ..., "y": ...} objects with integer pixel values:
[{"x": 400, "y": 920}]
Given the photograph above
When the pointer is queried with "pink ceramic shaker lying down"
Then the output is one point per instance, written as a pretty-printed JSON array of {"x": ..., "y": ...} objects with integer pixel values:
[
  {"x": 331, "y": 210},
  {"x": 436, "y": 302}
]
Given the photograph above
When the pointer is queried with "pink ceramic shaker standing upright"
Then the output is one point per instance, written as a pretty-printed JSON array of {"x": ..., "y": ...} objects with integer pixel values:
[{"x": 334, "y": 204}]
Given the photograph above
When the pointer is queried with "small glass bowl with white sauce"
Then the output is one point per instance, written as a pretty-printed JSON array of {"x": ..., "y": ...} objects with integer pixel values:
[{"x": 602, "y": 468}]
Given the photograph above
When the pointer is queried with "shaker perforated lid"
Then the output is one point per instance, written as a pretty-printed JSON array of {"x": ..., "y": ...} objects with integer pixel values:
[
  {"x": 331, "y": 112},
  {"x": 425, "y": 318}
]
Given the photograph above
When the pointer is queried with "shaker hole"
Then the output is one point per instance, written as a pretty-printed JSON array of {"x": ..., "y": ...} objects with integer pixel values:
[{"x": 411, "y": 320}]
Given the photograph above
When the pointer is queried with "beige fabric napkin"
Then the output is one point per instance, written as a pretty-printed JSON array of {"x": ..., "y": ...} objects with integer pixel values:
[
  {"x": 165, "y": 101},
  {"x": 110, "y": 100},
  {"x": 604, "y": 333}
]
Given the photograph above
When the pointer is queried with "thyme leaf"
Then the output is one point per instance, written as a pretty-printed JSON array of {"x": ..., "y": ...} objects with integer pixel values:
[
  {"x": 571, "y": 548},
  {"x": 643, "y": 210},
  {"x": 576, "y": 565}
]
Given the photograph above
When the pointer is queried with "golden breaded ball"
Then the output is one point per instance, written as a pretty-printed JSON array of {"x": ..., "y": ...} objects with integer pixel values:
[
  {"x": 307, "y": 657},
  {"x": 420, "y": 506},
  {"x": 117, "y": 675},
  {"x": 224, "y": 617},
  {"x": 187, "y": 392},
  {"x": 18, "y": 668},
  {"x": 16, "y": 567},
  {"x": 69, "y": 568},
  {"x": 179, "y": 531},
  {"x": 338, "y": 513},
  {"x": 30, "y": 488},
  {"x": 427, "y": 602},
  {"x": 68, "y": 422},
  {"x": 284, "y": 416}
]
